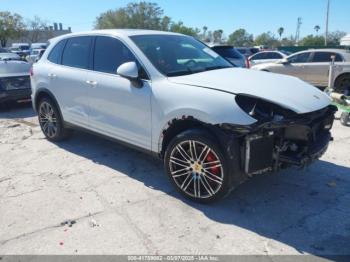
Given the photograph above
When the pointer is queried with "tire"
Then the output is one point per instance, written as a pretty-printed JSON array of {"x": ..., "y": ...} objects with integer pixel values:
[
  {"x": 51, "y": 122},
  {"x": 342, "y": 84},
  {"x": 345, "y": 119},
  {"x": 201, "y": 175}
]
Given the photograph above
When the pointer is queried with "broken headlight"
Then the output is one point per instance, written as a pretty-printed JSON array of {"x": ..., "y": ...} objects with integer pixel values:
[{"x": 262, "y": 110}]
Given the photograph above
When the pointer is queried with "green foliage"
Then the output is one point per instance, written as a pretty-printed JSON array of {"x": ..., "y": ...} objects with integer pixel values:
[
  {"x": 267, "y": 39},
  {"x": 11, "y": 26},
  {"x": 280, "y": 31},
  {"x": 180, "y": 28},
  {"x": 240, "y": 37},
  {"x": 142, "y": 15},
  {"x": 135, "y": 15},
  {"x": 335, "y": 37},
  {"x": 312, "y": 40}
]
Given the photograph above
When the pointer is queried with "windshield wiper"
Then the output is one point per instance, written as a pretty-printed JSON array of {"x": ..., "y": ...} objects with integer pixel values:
[
  {"x": 209, "y": 68},
  {"x": 180, "y": 73}
]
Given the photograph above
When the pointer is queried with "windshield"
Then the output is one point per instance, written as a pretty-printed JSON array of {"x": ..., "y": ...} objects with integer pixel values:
[{"x": 176, "y": 55}]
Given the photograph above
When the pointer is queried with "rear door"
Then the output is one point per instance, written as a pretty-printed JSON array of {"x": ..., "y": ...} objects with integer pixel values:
[
  {"x": 318, "y": 68},
  {"x": 68, "y": 80}
]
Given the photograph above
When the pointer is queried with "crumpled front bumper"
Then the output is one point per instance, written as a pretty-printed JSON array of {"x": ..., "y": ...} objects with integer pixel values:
[{"x": 274, "y": 145}]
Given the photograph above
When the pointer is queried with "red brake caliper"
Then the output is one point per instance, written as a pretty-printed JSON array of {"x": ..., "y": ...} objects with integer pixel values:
[{"x": 211, "y": 158}]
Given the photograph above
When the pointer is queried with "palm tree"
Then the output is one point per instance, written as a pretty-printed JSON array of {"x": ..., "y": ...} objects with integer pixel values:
[
  {"x": 317, "y": 28},
  {"x": 205, "y": 29},
  {"x": 280, "y": 31}
]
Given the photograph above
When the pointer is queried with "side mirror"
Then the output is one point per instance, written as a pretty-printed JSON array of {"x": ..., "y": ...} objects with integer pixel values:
[
  {"x": 284, "y": 61},
  {"x": 130, "y": 71}
]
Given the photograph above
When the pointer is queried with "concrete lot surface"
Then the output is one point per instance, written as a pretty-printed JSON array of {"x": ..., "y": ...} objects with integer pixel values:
[{"x": 91, "y": 196}]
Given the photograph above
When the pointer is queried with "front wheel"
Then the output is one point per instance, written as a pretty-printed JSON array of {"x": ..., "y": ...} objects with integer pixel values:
[
  {"x": 197, "y": 166},
  {"x": 50, "y": 121}
]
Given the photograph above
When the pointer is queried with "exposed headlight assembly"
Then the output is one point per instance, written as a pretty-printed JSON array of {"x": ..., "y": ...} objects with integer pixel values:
[{"x": 262, "y": 110}]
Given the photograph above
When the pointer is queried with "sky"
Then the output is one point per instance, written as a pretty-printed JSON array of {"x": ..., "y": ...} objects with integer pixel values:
[{"x": 256, "y": 16}]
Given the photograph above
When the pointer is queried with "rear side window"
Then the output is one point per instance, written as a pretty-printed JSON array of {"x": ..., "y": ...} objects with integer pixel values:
[
  {"x": 77, "y": 52},
  {"x": 259, "y": 56},
  {"x": 109, "y": 54},
  {"x": 228, "y": 52},
  {"x": 273, "y": 55},
  {"x": 300, "y": 58},
  {"x": 320, "y": 57},
  {"x": 56, "y": 53}
]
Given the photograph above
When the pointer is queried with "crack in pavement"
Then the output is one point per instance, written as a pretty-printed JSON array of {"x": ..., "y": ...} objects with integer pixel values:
[{"x": 61, "y": 224}]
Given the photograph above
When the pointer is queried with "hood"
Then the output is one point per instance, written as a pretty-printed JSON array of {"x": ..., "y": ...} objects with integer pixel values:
[
  {"x": 14, "y": 68},
  {"x": 286, "y": 91}
]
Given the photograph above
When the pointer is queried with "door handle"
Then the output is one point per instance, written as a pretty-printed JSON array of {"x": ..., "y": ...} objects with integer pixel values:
[
  {"x": 52, "y": 76},
  {"x": 91, "y": 83}
]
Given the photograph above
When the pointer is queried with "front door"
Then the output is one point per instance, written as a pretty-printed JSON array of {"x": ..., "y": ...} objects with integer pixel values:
[{"x": 118, "y": 108}]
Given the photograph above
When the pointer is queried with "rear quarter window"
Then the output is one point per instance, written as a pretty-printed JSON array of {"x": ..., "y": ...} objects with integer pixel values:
[
  {"x": 77, "y": 52},
  {"x": 56, "y": 52}
]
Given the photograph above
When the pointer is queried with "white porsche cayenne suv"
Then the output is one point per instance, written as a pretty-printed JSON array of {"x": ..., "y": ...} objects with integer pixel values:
[{"x": 213, "y": 125}]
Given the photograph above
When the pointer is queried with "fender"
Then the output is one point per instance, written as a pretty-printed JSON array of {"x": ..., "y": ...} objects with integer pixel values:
[{"x": 42, "y": 91}]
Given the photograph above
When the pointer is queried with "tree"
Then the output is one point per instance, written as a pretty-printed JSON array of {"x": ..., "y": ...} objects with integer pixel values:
[
  {"x": 180, "y": 28},
  {"x": 11, "y": 26},
  {"x": 317, "y": 28},
  {"x": 288, "y": 41},
  {"x": 267, "y": 39},
  {"x": 205, "y": 29},
  {"x": 142, "y": 15},
  {"x": 312, "y": 40},
  {"x": 217, "y": 34},
  {"x": 240, "y": 38},
  {"x": 335, "y": 37},
  {"x": 36, "y": 26},
  {"x": 280, "y": 32}
]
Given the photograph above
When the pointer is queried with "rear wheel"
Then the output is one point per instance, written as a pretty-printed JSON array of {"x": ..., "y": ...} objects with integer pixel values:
[
  {"x": 197, "y": 166},
  {"x": 51, "y": 122}
]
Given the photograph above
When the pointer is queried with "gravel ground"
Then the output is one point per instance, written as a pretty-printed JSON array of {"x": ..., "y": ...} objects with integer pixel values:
[{"x": 90, "y": 196}]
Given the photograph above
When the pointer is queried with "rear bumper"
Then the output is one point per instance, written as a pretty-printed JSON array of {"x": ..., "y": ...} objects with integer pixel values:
[
  {"x": 15, "y": 88},
  {"x": 15, "y": 95}
]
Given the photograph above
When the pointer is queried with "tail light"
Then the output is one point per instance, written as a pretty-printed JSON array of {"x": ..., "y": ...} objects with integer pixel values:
[
  {"x": 247, "y": 63},
  {"x": 31, "y": 71}
]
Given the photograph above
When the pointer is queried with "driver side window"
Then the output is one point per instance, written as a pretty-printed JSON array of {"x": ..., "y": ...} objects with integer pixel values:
[{"x": 300, "y": 58}]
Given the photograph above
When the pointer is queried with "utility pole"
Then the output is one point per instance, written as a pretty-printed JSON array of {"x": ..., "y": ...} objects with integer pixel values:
[
  {"x": 327, "y": 24},
  {"x": 297, "y": 34}
]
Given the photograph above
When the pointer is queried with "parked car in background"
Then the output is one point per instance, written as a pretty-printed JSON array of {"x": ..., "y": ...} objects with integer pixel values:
[
  {"x": 266, "y": 57},
  {"x": 22, "y": 49},
  {"x": 231, "y": 54},
  {"x": 213, "y": 124},
  {"x": 313, "y": 66},
  {"x": 14, "y": 78},
  {"x": 248, "y": 51},
  {"x": 38, "y": 46},
  {"x": 35, "y": 55}
]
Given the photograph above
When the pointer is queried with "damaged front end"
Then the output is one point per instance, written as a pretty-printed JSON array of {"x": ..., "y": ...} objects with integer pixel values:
[{"x": 280, "y": 137}]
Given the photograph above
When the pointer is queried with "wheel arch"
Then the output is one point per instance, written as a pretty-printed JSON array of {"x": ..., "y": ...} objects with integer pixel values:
[
  {"x": 179, "y": 125},
  {"x": 42, "y": 93},
  {"x": 341, "y": 75}
]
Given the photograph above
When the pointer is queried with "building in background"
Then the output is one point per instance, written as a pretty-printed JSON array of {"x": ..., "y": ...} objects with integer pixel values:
[
  {"x": 41, "y": 35},
  {"x": 345, "y": 41}
]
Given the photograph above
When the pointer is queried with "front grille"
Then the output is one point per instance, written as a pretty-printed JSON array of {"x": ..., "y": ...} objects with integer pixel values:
[{"x": 15, "y": 83}]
